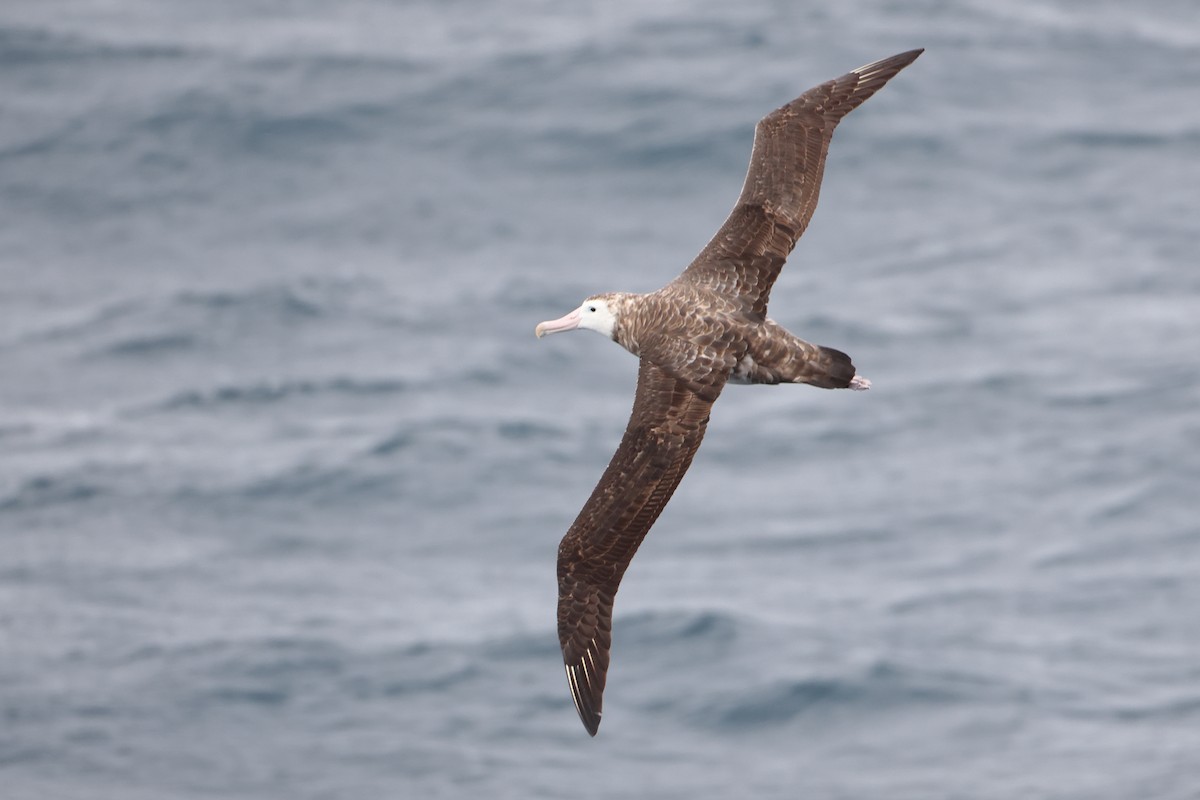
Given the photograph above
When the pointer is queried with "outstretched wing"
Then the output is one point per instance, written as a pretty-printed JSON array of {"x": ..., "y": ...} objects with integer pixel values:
[
  {"x": 664, "y": 431},
  {"x": 782, "y": 184}
]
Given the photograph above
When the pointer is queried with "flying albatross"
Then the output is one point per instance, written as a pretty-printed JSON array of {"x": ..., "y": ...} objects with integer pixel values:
[{"x": 706, "y": 328}]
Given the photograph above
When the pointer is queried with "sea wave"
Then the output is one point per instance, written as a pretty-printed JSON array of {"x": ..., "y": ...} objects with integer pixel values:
[
  {"x": 132, "y": 325},
  {"x": 49, "y": 490},
  {"x": 273, "y": 392},
  {"x": 27, "y": 46},
  {"x": 882, "y": 688}
]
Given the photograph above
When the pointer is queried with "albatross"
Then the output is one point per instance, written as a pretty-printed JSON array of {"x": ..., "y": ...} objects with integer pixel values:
[{"x": 706, "y": 328}]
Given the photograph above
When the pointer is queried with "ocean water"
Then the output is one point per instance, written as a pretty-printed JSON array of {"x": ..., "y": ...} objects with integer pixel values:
[{"x": 283, "y": 468}]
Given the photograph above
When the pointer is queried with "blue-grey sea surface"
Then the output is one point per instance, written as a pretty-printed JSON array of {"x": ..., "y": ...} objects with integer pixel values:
[{"x": 283, "y": 469}]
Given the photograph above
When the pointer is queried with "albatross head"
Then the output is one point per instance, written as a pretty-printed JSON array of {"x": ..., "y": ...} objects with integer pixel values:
[{"x": 598, "y": 313}]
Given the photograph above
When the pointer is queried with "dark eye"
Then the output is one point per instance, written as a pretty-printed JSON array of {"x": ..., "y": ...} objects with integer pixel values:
[{"x": 591, "y": 308}]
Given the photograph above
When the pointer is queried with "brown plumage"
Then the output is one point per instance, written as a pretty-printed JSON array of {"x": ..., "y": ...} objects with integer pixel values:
[{"x": 706, "y": 328}]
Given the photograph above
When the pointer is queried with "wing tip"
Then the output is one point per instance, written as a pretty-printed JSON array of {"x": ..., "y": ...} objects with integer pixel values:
[
  {"x": 587, "y": 700},
  {"x": 892, "y": 63}
]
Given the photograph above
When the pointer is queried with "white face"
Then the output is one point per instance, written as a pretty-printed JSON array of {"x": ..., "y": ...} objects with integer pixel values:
[{"x": 595, "y": 315}]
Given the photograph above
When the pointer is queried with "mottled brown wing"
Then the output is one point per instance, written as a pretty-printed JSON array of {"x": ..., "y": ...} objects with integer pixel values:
[
  {"x": 782, "y": 184},
  {"x": 664, "y": 431}
]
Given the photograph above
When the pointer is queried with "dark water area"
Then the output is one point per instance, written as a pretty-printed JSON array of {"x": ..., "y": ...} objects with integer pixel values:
[{"x": 283, "y": 469}]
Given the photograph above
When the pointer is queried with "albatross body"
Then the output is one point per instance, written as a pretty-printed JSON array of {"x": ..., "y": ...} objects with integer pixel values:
[{"x": 706, "y": 328}]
